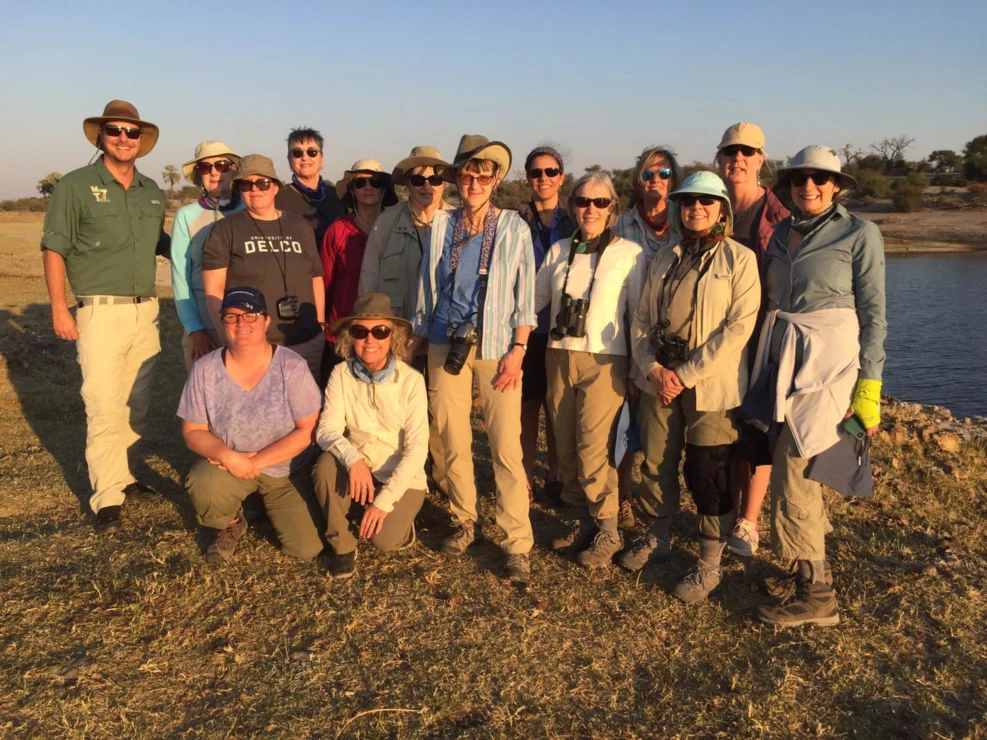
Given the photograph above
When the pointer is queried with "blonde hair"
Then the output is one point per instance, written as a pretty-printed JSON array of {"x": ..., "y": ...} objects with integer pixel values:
[
  {"x": 400, "y": 334},
  {"x": 653, "y": 152}
]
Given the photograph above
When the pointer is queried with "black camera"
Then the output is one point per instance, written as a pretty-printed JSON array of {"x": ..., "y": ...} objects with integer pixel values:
[
  {"x": 288, "y": 308},
  {"x": 461, "y": 338},
  {"x": 668, "y": 350},
  {"x": 571, "y": 320}
]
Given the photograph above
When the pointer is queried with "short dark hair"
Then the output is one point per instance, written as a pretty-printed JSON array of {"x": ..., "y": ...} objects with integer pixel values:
[{"x": 299, "y": 135}]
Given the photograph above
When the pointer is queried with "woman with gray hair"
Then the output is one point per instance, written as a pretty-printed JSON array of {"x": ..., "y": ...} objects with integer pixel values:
[{"x": 592, "y": 281}]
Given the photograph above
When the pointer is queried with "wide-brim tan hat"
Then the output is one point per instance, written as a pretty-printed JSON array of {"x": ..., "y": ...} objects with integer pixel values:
[
  {"x": 744, "y": 134},
  {"x": 816, "y": 157},
  {"x": 369, "y": 306},
  {"x": 360, "y": 167},
  {"x": 205, "y": 150},
  {"x": 121, "y": 110},
  {"x": 421, "y": 156},
  {"x": 474, "y": 146},
  {"x": 257, "y": 164}
]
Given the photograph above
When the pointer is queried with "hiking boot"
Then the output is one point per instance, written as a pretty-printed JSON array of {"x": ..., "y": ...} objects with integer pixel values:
[
  {"x": 784, "y": 587},
  {"x": 811, "y": 603},
  {"x": 138, "y": 491},
  {"x": 518, "y": 567},
  {"x": 600, "y": 553},
  {"x": 223, "y": 544},
  {"x": 698, "y": 583},
  {"x": 412, "y": 538},
  {"x": 108, "y": 520},
  {"x": 647, "y": 549},
  {"x": 343, "y": 566},
  {"x": 625, "y": 517},
  {"x": 744, "y": 539},
  {"x": 581, "y": 533},
  {"x": 462, "y": 537}
]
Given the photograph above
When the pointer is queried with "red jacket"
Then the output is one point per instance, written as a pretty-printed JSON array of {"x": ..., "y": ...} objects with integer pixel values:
[
  {"x": 773, "y": 212},
  {"x": 342, "y": 257}
]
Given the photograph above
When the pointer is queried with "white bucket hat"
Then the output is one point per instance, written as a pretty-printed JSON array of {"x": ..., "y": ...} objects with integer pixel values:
[
  {"x": 816, "y": 157},
  {"x": 361, "y": 167},
  {"x": 205, "y": 150}
]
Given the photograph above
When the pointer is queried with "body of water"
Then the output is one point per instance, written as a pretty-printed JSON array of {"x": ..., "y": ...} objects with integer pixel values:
[{"x": 937, "y": 331}]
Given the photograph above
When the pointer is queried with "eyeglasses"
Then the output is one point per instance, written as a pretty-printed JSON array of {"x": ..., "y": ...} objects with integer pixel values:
[
  {"x": 132, "y": 132},
  {"x": 380, "y": 332},
  {"x": 733, "y": 149},
  {"x": 600, "y": 203},
  {"x": 481, "y": 180},
  {"x": 648, "y": 175},
  {"x": 222, "y": 167},
  {"x": 245, "y": 186},
  {"x": 535, "y": 172},
  {"x": 236, "y": 318},
  {"x": 799, "y": 179},
  {"x": 311, "y": 152},
  {"x": 420, "y": 180},
  {"x": 690, "y": 200}
]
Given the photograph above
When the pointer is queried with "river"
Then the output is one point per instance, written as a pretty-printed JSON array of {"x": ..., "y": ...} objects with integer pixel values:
[{"x": 937, "y": 331}]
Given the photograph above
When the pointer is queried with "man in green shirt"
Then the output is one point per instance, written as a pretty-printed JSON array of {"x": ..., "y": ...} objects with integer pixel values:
[{"x": 103, "y": 228}]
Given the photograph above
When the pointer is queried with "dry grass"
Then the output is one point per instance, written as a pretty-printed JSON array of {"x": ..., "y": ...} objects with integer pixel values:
[{"x": 133, "y": 636}]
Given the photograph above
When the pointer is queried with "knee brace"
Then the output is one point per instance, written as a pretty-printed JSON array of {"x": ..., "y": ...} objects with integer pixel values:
[{"x": 707, "y": 474}]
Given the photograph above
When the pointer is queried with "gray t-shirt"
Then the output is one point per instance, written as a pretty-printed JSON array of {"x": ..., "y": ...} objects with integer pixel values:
[{"x": 248, "y": 421}]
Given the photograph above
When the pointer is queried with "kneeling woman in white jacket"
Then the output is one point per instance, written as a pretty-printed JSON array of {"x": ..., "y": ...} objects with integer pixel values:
[{"x": 592, "y": 280}]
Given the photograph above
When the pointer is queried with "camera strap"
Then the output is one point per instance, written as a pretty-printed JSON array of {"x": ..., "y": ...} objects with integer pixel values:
[
  {"x": 459, "y": 239},
  {"x": 605, "y": 238},
  {"x": 678, "y": 272},
  {"x": 283, "y": 262}
]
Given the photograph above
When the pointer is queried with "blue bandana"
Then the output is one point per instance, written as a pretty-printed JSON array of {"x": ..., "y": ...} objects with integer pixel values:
[
  {"x": 314, "y": 196},
  {"x": 372, "y": 377}
]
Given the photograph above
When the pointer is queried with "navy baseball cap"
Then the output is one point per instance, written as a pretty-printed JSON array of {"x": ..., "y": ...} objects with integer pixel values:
[{"x": 250, "y": 300}]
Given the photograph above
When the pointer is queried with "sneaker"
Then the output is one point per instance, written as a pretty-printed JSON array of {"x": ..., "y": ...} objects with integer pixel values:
[
  {"x": 784, "y": 587},
  {"x": 744, "y": 539},
  {"x": 223, "y": 544},
  {"x": 343, "y": 566},
  {"x": 108, "y": 520},
  {"x": 518, "y": 567},
  {"x": 698, "y": 583},
  {"x": 462, "y": 537},
  {"x": 580, "y": 535},
  {"x": 412, "y": 539},
  {"x": 600, "y": 553},
  {"x": 647, "y": 549},
  {"x": 812, "y": 603},
  {"x": 625, "y": 517}
]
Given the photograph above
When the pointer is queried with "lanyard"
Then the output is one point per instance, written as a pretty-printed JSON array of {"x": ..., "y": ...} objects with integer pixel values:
[
  {"x": 282, "y": 263},
  {"x": 605, "y": 239},
  {"x": 678, "y": 275},
  {"x": 459, "y": 239}
]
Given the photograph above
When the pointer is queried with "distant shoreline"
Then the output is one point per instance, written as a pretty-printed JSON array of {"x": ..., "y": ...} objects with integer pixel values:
[{"x": 917, "y": 245}]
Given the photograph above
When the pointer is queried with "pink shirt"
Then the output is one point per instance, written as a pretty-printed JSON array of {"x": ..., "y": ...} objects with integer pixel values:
[{"x": 342, "y": 258}]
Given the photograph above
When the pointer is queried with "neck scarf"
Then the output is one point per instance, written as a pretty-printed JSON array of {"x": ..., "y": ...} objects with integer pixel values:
[
  {"x": 372, "y": 377},
  {"x": 208, "y": 204},
  {"x": 316, "y": 195},
  {"x": 459, "y": 238},
  {"x": 702, "y": 241},
  {"x": 805, "y": 225},
  {"x": 658, "y": 228}
]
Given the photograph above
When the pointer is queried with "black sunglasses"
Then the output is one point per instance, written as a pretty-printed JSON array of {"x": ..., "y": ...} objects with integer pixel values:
[
  {"x": 535, "y": 172},
  {"x": 380, "y": 332},
  {"x": 132, "y": 132},
  {"x": 690, "y": 200},
  {"x": 419, "y": 180},
  {"x": 731, "y": 151},
  {"x": 648, "y": 175},
  {"x": 245, "y": 186},
  {"x": 222, "y": 167},
  {"x": 311, "y": 152},
  {"x": 374, "y": 181},
  {"x": 600, "y": 203},
  {"x": 819, "y": 178}
]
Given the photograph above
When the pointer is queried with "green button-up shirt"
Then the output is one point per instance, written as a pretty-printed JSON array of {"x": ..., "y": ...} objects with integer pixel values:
[{"x": 107, "y": 235}]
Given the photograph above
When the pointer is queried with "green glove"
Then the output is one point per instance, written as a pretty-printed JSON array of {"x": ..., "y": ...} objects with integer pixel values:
[{"x": 867, "y": 402}]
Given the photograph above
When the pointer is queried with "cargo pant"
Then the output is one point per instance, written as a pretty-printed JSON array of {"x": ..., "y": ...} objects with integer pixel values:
[
  {"x": 799, "y": 523},
  {"x": 117, "y": 347}
]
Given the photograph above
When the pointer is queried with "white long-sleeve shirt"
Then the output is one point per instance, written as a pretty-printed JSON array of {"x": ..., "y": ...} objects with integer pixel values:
[{"x": 390, "y": 433}]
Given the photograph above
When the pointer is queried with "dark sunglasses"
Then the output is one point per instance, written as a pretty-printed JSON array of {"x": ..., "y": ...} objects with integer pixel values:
[
  {"x": 222, "y": 167},
  {"x": 236, "y": 318},
  {"x": 380, "y": 332},
  {"x": 132, "y": 132},
  {"x": 481, "y": 180},
  {"x": 311, "y": 152},
  {"x": 600, "y": 203},
  {"x": 245, "y": 186},
  {"x": 535, "y": 172},
  {"x": 648, "y": 175},
  {"x": 375, "y": 181},
  {"x": 690, "y": 200},
  {"x": 731, "y": 151},
  {"x": 801, "y": 178},
  {"x": 420, "y": 180}
]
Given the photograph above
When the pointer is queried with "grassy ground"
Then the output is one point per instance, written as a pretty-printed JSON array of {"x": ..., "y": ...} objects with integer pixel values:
[{"x": 133, "y": 636}]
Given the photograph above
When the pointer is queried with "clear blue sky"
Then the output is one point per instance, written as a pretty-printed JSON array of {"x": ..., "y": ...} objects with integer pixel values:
[{"x": 600, "y": 79}]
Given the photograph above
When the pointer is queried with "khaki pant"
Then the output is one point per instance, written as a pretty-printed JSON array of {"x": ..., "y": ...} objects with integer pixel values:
[
  {"x": 332, "y": 490},
  {"x": 665, "y": 430},
  {"x": 585, "y": 395},
  {"x": 187, "y": 347},
  {"x": 799, "y": 523},
  {"x": 311, "y": 351},
  {"x": 117, "y": 347},
  {"x": 290, "y": 503},
  {"x": 450, "y": 400},
  {"x": 436, "y": 452}
]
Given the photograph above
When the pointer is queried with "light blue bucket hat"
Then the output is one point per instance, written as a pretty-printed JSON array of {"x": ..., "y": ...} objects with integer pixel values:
[{"x": 702, "y": 182}]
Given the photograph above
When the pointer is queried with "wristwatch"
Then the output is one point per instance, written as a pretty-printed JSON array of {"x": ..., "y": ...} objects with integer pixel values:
[{"x": 521, "y": 345}]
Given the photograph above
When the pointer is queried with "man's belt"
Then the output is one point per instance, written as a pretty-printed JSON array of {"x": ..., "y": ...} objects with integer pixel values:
[{"x": 113, "y": 300}]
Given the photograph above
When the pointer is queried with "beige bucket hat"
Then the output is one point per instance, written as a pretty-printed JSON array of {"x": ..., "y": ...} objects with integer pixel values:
[
  {"x": 360, "y": 167},
  {"x": 744, "y": 134},
  {"x": 816, "y": 157},
  {"x": 121, "y": 110},
  {"x": 474, "y": 146},
  {"x": 421, "y": 156},
  {"x": 257, "y": 164},
  {"x": 205, "y": 150},
  {"x": 367, "y": 307}
]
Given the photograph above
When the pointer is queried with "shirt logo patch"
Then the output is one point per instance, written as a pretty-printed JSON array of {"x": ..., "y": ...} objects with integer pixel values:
[
  {"x": 155, "y": 202},
  {"x": 99, "y": 194}
]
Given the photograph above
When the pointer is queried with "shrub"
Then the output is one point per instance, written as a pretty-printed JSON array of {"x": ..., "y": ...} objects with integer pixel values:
[
  {"x": 871, "y": 184},
  {"x": 978, "y": 195},
  {"x": 35, "y": 205},
  {"x": 908, "y": 194}
]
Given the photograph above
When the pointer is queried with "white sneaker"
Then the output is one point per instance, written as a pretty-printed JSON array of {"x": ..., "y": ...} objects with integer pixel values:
[{"x": 744, "y": 539}]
